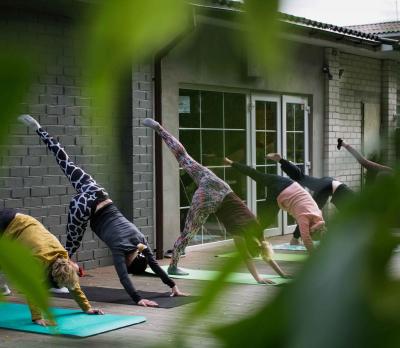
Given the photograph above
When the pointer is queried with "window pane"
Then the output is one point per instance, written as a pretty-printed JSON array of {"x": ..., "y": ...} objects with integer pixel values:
[
  {"x": 290, "y": 220},
  {"x": 260, "y": 115},
  {"x": 189, "y": 108},
  {"x": 260, "y": 148},
  {"x": 271, "y": 115},
  {"x": 299, "y": 141},
  {"x": 235, "y": 110},
  {"x": 299, "y": 118},
  {"x": 290, "y": 116},
  {"x": 212, "y": 148},
  {"x": 271, "y": 142},
  {"x": 237, "y": 181},
  {"x": 272, "y": 169},
  {"x": 190, "y": 139},
  {"x": 213, "y": 230},
  {"x": 290, "y": 147},
  {"x": 265, "y": 219},
  {"x": 260, "y": 189},
  {"x": 211, "y": 110},
  {"x": 235, "y": 145}
]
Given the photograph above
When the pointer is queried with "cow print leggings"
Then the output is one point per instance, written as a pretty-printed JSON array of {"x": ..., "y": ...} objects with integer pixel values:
[{"x": 82, "y": 204}]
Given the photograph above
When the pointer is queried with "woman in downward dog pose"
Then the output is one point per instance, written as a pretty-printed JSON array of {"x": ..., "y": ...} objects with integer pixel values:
[
  {"x": 322, "y": 188},
  {"x": 93, "y": 204},
  {"x": 46, "y": 248},
  {"x": 288, "y": 195},
  {"x": 213, "y": 195}
]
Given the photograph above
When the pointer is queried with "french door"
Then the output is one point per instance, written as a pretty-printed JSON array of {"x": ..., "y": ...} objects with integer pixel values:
[{"x": 277, "y": 124}]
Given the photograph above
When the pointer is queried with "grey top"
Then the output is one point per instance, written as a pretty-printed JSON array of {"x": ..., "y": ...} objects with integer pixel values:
[{"x": 122, "y": 237}]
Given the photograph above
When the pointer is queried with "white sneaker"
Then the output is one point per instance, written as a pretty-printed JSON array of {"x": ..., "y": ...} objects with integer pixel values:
[
  {"x": 29, "y": 121},
  {"x": 149, "y": 122},
  {"x": 6, "y": 290},
  {"x": 63, "y": 290}
]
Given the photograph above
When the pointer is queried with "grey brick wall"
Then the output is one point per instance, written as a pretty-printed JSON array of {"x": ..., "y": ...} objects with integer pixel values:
[
  {"x": 359, "y": 83},
  {"x": 30, "y": 179},
  {"x": 143, "y": 151}
]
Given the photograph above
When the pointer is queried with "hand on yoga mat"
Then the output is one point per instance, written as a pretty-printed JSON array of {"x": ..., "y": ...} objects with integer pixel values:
[
  {"x": 45, "y": 322},
  {"x": 147, "y": 303},
  {"x": 95, "y": 311},
  {"x": 176, "y": 292},
  {"x": 265, "y": 281}
]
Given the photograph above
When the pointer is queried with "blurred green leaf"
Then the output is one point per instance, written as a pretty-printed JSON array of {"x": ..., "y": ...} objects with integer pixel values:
[
  {"x": 260, "y": 18},
  {"x": 15, "y": 77},
  {"x": 345, "y": 296},
  {"x": 121, "y": 33},
  {"x": 24, "y": 272}
]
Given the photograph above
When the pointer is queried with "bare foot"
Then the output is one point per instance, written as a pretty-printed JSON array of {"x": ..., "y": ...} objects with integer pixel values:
[{"x": 274, "y": 157}]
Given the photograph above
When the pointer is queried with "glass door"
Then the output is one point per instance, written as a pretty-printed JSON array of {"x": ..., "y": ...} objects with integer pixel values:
[
  {"x": 278, "y": 124},
  {"x": 212, "y": 125},
  {"x": 266, "y": 131},
  {"x": 294, "y": 140}
]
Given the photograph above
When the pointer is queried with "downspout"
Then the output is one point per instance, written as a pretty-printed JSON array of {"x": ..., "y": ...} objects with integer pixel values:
[{"x": 159, "y": 188}]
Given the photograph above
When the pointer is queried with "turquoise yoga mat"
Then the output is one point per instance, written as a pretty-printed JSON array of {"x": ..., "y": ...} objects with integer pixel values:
[
  {"x": 287, "y": 246},
  {"x": 239, "y": 278},
  {"x": 277, "y": 256},
  {"x": 70, "y": 322}
]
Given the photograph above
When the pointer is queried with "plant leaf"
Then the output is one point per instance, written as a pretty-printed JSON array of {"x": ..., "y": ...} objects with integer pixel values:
[{"x": 24, "y": 272}]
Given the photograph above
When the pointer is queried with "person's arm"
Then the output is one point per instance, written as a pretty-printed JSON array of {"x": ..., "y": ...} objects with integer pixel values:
[
  {"x": 241, "y": 246},
  {"x": 122, "y": 271},
  {"x": 367, "y": 164},
  {"x": 82, "y": 301},
  {"x": 266, "y": 254},
  {"x": 152, "y": 262},
  {"x": 305, "y": 234}
]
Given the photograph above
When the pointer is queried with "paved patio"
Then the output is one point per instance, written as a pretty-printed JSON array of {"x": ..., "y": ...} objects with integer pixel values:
[{"x": 237, "y": 301}]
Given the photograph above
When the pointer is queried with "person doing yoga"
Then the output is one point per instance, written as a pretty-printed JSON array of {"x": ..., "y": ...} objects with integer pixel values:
[
  {"x": 373, "y": 168},
  {"x": 92, "y": 204},
  {"x": 214, "y": 196},
  {"x": 288, "y": 195},
  {"x": 45, "y": 247},
  {"x": 322, "y": 188}
]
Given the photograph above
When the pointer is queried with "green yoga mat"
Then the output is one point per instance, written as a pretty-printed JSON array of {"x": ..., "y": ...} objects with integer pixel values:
[
  {"x": 277, "y": 256},
  {"x": 239, "y": 278},
  {"x": 70, "y": 322}
]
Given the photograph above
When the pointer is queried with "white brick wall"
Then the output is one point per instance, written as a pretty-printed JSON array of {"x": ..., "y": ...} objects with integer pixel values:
[{"x": 359, "y": 83}]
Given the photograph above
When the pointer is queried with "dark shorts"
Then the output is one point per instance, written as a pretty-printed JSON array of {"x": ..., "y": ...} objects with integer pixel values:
[{"x": 237, "y": 218}]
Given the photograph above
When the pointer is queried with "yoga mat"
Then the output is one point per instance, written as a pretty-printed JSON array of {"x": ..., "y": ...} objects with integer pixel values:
[
  {"x": 239, "y": 278},
  {"x": 71, "y": 322},
  {"x": 111, "y": 295},
  {"x": 287, "y": 246},
  {"x": 277, "y": 256}
]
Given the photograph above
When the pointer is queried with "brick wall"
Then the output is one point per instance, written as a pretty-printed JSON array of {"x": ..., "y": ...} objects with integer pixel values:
[
  {"x": 30, "y": 179},
  {"x": 143, "y": 151},
  {"x": 359, "y": 83}
]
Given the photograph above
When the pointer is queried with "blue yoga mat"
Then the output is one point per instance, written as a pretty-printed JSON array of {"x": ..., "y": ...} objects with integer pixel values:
[{"x": 70, "y": 322}]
